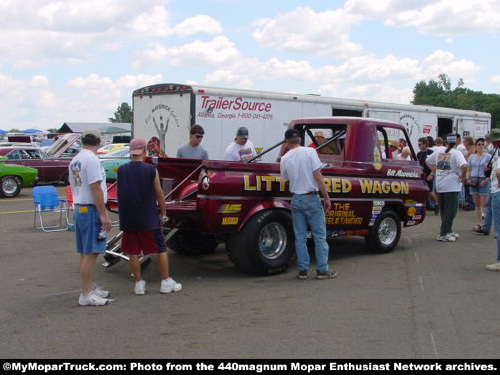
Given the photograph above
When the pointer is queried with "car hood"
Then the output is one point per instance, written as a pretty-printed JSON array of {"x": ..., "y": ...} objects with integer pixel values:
[{"x": 62, "y": 144}]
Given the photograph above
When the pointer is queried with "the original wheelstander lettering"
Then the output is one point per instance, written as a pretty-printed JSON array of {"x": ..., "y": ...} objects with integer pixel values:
[{"x": 333, "y": 185}]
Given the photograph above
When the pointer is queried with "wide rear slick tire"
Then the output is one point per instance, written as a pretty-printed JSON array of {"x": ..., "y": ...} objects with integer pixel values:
[
  {"x": 265, "y": 246},
  {"x": 385, "y": 233}
]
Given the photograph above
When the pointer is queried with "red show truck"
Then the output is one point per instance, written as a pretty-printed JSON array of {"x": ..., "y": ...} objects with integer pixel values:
[{"x": 247, "y": 205}]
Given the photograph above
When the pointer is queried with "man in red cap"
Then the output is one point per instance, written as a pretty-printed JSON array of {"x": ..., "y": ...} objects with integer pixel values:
[{"x": 139, "y": 195}]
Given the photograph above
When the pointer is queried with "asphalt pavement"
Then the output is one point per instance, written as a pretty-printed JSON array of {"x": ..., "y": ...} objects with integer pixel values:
[{"x": 426, "y": 299}]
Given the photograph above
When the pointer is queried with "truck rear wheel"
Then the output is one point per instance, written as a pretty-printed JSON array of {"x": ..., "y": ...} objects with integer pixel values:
[
  {"x": 186, "y": 242},
  {"x": 385, "y": 233},
  {"x": 265, "y": 246}
]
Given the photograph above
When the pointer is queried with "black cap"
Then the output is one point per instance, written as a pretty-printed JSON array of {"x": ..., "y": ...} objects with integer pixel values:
[
  {"x": 451, "y": 138},
  {"x": 292, "y": 133},
  {"x": 242, "y": 132}
]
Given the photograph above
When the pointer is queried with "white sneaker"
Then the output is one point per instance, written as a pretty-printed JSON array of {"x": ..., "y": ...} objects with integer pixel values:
[
  {"x": 456, "y": 235},
  {"x": 449, "y": 238},
  {"x": 140, "y": 287},
  {"x": 493, "y": 267},
  {"x": 92, "y": 299},
  {"x": 99, "y": 292},
  {"x": 169, "y": 285},
  {"x": 440, "y": 238}
]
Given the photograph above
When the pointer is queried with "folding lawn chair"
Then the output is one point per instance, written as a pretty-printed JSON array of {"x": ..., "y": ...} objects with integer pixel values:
[{"x": 46, "y": 203}]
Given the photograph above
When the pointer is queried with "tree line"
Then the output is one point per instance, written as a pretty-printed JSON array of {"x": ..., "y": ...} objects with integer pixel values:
[{"x": 440, "y": 94}]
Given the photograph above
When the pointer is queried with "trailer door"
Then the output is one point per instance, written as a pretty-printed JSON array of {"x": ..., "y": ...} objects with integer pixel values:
[{"x": 163, "y": 120}]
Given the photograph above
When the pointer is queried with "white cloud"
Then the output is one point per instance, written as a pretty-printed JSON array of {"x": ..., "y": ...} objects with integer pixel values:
[
  {"x": 385, "y": 79},
  {"x": 218, "y": 51},
  {"x": 305, "y": 31},
  {"x": 89, "y": 99},
  {"x": 495, "y": 79},
  {"x": 432, "y": 17},
  {"x": 200, "y": 23}
]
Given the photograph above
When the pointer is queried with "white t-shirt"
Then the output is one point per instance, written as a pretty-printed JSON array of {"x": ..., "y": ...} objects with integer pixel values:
[
  {"x": 448, "y": 171},
  {"x": 85, "y": 169},
  {"x": 494, "y": 188},
  {"x": 297, "y": 166},
  {"x": 235, "y": 152},
  {"x": 462, "y": 149}
]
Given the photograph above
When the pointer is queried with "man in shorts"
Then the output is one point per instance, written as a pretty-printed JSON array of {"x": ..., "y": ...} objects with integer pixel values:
[
  {"x": 88, "y": 188},
  {"x": 139, "y": 195}
]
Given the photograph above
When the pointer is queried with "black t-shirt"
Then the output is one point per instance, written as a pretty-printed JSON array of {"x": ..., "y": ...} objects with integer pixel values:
[
  {"x": 422, "y": 157},
  {"x": 138, "y": 209}
]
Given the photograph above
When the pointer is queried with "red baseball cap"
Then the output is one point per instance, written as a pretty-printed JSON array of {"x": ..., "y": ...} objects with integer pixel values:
[{"x": 137, "y": 146}]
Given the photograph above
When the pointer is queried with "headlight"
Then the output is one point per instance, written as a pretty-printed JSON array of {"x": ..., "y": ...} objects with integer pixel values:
[{"x": 205, "y": 183}]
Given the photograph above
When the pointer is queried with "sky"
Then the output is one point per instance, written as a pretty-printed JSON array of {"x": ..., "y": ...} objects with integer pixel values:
[{"x": 78, "y": 60}]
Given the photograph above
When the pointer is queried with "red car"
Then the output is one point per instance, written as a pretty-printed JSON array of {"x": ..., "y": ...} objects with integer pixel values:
[{"x": 50, "y": 170}]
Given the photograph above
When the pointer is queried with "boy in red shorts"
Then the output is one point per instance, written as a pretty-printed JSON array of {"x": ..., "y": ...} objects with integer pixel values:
[{"x": 139, "y": 195}]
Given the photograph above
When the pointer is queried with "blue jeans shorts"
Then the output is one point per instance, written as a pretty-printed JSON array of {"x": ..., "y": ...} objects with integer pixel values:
[
  {"x": 87, "y": 228},
  {"x": 478, "y": 189}
]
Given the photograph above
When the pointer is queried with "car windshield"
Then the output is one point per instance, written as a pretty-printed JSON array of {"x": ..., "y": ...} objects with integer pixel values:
[
  {"x": 121, "y": 152},
  {"x": 36, "y": 153}
]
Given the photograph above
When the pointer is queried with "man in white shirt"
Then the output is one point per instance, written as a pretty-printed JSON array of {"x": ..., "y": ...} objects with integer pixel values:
[
  {"x": 241, "y": 149},
  {"x": 302, "y": 168},
  {"x": 450, "y": 168},
  {"x": 88, "y": 188}
]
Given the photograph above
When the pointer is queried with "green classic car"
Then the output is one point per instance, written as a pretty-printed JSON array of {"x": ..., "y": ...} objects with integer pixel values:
[{"x": 14, "y": 177}]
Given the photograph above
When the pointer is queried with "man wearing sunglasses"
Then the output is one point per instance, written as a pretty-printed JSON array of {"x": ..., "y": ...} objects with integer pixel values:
[{"x": 193, "y": 150}]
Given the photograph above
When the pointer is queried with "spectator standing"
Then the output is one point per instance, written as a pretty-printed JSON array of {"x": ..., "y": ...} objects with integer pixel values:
[
  {"x": 139, "y": 195},
  {"x": 88, "y": 188},
  {"x": 422, "y": 156},
  {"x": 450, "y": 168},
  {"x": 494, "y": 136},
  {"x": 478, "y": 183},
  {"x": 193, "y": 149},
  {"x": 302, "y": 168},
  {"x": 241, "y": 149}
]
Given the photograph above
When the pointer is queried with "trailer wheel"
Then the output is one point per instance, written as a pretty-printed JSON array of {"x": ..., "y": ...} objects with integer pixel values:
[
  {"x": 265, "y": 246},
  {"x": 10, "y": 186},
  {"x": 186, "y": 242},
  {"x": 385, "y": 233}
]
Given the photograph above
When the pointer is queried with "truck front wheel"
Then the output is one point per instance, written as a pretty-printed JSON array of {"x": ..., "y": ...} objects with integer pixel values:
[
  {"x": 186, "y": 242},
  {"x": 385, "y": 233},
  {"x": 265, "y": 246}
]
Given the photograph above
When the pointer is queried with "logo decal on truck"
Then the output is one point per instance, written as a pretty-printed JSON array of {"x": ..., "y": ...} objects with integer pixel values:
[{"x": 161, "y": 116}]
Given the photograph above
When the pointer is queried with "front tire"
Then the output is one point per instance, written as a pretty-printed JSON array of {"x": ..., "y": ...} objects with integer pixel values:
[
  {"x": 10, "y": 186},
  {"x": 385, "y": 233},
  {"x": 186, "y": 242},
  {"x": 265, "y": 246}
]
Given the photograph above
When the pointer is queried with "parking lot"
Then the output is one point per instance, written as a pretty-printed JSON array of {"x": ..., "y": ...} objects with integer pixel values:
[{"x": 427, "y": 299}]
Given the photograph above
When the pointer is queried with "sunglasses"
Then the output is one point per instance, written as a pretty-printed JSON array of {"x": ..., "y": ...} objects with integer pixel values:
[{"x": 199, "y": 136}]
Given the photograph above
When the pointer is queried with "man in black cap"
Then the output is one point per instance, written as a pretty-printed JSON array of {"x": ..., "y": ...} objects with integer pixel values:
[
  {"x": 302, "y": 168},
  {"x": 241, "y": 149}
]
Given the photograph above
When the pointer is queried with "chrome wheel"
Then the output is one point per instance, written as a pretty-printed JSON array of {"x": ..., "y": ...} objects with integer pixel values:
[
  {"x": 10, "y": 185},
  {"x": 387, "y": 231},
  {"x": 272, "y": 240}
]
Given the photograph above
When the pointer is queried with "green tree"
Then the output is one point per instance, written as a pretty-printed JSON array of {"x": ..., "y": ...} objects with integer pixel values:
[
  {"x": 439, "y": 93},
  {"x": 122, "y": 114}
]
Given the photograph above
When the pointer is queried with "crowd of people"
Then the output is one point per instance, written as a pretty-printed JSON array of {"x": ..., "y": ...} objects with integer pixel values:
[
  {"x": 451, "y": 170},
  {"x": 467, "y": 171}
]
